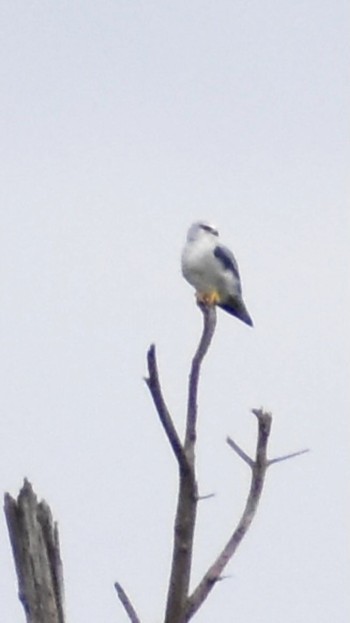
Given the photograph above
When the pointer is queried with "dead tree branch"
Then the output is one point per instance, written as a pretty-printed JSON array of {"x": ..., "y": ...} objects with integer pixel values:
[
  {"x": 209, "y": 320},
  {"x": 258, "y": 466},
  {"x": 35, "y": 546},
  {"x": 129, "y": 608},
  {"x": 154, "y": 387}
]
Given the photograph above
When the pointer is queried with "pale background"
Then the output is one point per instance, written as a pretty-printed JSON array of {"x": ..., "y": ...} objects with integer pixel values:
[{"x": 121, "y": 123}]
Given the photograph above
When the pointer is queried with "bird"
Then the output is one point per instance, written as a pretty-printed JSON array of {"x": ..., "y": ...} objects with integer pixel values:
[{"x": 212, "y": 270}]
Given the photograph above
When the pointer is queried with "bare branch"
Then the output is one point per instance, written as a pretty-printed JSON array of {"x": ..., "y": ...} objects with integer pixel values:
[
  {"x": 205, "y": 497},
  {"x": 209, "y": 324},
  {"x": 240, "y": 452},
  {"x": 154, "y": 387},
  {"x": 285, "y": 457},
  {"x": 188, "y": 494},
  {"x": 129, "y": 609},
  {"x": 214, "y": 573}
]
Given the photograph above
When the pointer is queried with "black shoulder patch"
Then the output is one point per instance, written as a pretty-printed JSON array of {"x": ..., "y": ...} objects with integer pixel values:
[{"x": 227, "y": 260}]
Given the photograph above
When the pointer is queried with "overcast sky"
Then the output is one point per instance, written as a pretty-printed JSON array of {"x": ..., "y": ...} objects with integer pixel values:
[{"x": 121, "y": 123}]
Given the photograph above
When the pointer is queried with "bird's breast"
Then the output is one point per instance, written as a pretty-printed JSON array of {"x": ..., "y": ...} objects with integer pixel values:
[{"x": 199, "y": 267}]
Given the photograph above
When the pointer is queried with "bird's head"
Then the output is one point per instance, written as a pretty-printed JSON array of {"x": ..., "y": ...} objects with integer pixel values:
[{"x": 201, "y": 229}]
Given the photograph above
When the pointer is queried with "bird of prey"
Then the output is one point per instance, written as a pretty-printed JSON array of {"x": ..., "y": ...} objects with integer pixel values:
[{"x": 212, "y": 270}]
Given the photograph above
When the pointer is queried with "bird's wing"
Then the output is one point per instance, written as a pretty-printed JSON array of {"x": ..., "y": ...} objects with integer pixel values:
[
  {"x": 227, "y": 260},
  {"x": 233, "y": 304}
]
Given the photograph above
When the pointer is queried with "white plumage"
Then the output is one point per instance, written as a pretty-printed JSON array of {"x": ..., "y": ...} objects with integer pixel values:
[{"x": 212, "y": 270}]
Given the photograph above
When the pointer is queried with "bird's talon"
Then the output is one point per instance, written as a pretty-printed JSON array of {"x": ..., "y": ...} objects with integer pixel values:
[{"x": 208, "y": 298}]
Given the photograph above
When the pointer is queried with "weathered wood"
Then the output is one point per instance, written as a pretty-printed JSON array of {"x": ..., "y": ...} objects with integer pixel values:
[{"x": 35, "y": 546}]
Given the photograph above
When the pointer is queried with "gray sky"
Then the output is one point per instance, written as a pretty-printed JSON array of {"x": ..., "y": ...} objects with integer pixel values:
[{"x": 121, "y": 123}]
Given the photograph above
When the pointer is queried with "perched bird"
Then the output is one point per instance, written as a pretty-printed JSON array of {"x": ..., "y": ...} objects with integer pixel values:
[{"x": 213, "y": 271}]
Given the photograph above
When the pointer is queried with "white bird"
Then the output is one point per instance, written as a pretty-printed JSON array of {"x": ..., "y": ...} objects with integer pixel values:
[{"x": 212, "y": 270}]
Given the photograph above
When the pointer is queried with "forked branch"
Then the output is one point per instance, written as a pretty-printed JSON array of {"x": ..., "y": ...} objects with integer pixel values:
[
  {"x": 188, "y": 495},
  {"x": 258, "y": 466}
]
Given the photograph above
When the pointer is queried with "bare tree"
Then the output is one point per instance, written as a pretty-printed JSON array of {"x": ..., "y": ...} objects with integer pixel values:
[
  {"x": 181, "y": 603},
  {"x": 34, "y": 535}
]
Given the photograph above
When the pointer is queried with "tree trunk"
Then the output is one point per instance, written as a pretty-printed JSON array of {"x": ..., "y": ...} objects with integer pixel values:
[{"x": 35, "y": 546}]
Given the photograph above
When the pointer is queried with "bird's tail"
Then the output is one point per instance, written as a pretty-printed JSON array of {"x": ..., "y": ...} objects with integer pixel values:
[{"x": 236, "y": 307}]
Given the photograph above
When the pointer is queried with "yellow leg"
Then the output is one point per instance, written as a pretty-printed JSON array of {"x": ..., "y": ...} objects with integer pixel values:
[{"x": 208, "y": 298}]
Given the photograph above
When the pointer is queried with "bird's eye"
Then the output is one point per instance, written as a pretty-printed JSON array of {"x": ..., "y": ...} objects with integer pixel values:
[{"x": 210, "y": 229}]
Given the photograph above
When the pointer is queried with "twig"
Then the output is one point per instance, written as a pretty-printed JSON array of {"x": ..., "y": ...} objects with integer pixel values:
[
  {"x": 153, "y": 385},
  {"x": 188, "y": 494},
  {"x": 129, "y": 609},
  {"x": 285, "y": 457},
  {"x": 208, "y": 496},
  {"x": 240, "y": 452}
]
